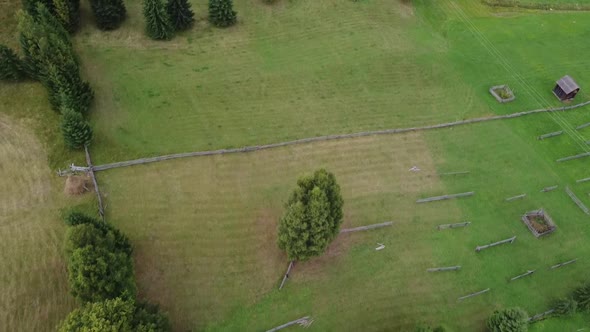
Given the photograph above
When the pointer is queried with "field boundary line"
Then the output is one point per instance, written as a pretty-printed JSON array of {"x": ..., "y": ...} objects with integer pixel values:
[{"x": 252, "y": 148}]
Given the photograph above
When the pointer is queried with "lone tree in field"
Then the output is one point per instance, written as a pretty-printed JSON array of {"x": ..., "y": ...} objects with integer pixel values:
[
  {"x": 11, "y": 67},
  {"x": 313, "y": 216},
  {"x": 157, "y": 21},
  {"x": 76, "y": 131},
  {"x": 180, "y": 13},
  {"x": 108, "y": 14},
  {"x": 508, "y": 320},
  {"x": 221, "y": 13}
]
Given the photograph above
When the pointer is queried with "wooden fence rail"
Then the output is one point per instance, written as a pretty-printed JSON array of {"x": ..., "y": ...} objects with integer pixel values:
[
  {"x": 527, "y": 273},
  {"x": 286, "y": 275},
  {"x": 583, "y": 126},
  {"x": 480, "y": 248},
  {"x": 332, "y": 137},
  {"x": 577, "y": 200},
  {"x": 583, "y": 180},
  {"x": 473, "y": 294},
  {"x": 93, "y": 177},
  {"x": 513, "y": 198},
  {"x": 548, "y": 189},
  {"x": 366, "y": 228},
  {"x": 442, "y": 269},
  {"x": 444, "y": 197},
  {"x": 540, "y": 316},
  {"x": 556, "y": 266},
  {"x": 455, "y": 173},
  {"x": 553, "y": 134},
  {"x": 460, "y": 224},
  {"x": 304, "y": 321},
  {"x": 578, "y": 156}
]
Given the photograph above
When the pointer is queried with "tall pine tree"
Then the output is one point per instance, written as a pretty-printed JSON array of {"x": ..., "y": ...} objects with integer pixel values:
[
  {"x": 76, "y": 131},
  {"x": 158, "y": 25},
  {"x": 67, "y": 12},
  {"x": 108, "y": 14},
  {"x": 180, "y": 13},
  {"x": 221, "y": 13},
  {"x": 11, "y": 67}
]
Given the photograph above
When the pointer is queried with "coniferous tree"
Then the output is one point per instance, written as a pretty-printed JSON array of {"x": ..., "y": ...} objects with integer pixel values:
[
  {"x": 11, "y": 67},
  {"x": 221, "y": 13},
  {"x": 67, "y": 12},
  {"x": 180, "y": 13},
  {"x": 31, "y": 6},
  {"x": 158, "y": 25},
  {"x": 109, "y": 14},
  {"x": 76, "y": 131},
  {"x": 508, "y": 320},
  {"x": 313, "y": 216}
]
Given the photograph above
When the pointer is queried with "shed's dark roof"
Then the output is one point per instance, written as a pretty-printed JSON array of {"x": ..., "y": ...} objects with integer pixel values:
[{"x": 567, "y": 84}]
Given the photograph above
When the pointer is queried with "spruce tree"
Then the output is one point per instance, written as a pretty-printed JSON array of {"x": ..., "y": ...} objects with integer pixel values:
[
  {"x": 11, "y": 67},
  {"x": 180, "y": 13},
  {"x": 76, "y": 131},
  {"x": 108, "y": 14},
  {"x": 158, "y": 25},
  {"x": 312, "y": 218},
  {"x": 221, "y": 13},
  {"x": 67, "y": 12}
]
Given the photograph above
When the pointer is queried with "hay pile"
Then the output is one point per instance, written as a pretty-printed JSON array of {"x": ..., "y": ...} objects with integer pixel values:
[{"x": 77, "y": 184}]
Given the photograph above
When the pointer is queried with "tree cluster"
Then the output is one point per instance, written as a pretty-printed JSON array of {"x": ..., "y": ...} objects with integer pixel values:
[
  {"x": 312, "y": 218},
  {"x": 67, "y": 12},
  {"x": 100, "y": 274},
  {"x": 48, "y": 56},
  {"x": 163, "y": 19}
]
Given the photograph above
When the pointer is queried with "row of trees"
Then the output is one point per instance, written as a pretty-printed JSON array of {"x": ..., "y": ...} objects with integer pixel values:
[
  {"x": 163, "y": 19},
  {"x": 100, "y": 274}
]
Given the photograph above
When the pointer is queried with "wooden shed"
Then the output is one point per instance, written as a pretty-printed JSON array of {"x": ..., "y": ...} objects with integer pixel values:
[{"x": 566, "y": 88}]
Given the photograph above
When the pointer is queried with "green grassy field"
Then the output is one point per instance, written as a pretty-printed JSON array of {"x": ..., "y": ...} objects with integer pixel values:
[{"x": 205, "y": 228}]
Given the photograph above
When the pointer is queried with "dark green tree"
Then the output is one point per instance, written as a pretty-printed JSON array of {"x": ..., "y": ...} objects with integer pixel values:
[
  {"x": 97, "y": 274},
  {"x": 565, "y": 307},
  {"x": 312, "y": 218},
  {"x": 74, "y": 217},
  {"x": 31, "y": 6},
  {"x": 508, "y": 320},
  {"x": 180, "y": 13},
  {"x": 221, "y": 13},
  {"x": 158, "y": 25},
  {"x": 582, "y": 297},
  {"x": 11, "y": 67},
  {"x": 149, "y": 318},
  {"x": 68, "y": 13},
  {"x": 108, "y": 14},
  {"x": 112, "y": 315},
  {"x": 76, "y": 131},
  {"x": 86, "y": 231}
]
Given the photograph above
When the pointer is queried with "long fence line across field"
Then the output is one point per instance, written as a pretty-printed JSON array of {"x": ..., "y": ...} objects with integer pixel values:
[
  {"x": 366, "y": 228},
  {"x": 91, "y": 172},
  {"x": 445, "y": 197},
  {"x": 331, "y": 137},
  {"x": 577, "y": 200}
]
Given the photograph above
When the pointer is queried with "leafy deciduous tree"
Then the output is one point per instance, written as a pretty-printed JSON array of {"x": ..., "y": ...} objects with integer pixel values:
[
  {"x": 113, "y": 315},
  {"x": 221, "y": 13},
  {"x": 158, "y": 24},
  {"x": 313, "y": 216},
  {"x": 180, "y": 13},
  {"x": 508, "y": 320}
]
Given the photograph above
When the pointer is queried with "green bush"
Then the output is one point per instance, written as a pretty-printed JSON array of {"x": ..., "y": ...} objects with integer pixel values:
[
  {"x": 11, "y": 67},
  {"x": 148, "y": 317},
  {"x": 313, "y": 216},
  {"x": 79, "y": 237},
  {"x": 582, "y": 297},
  {"x": 108, "y": 14},
  {"x": 73, "y": 218},
  {"x": 158, "y": 25},
  {"x": 76, "y": 131},
  {"x": 565, "y": 307},
  {"x": 221, "y": 13},
  {"x": 508, "y": 320},
  {"x": 180, "y": 13}
]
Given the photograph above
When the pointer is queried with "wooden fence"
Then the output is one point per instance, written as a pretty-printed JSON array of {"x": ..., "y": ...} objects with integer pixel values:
[
  {"x": 91, "y": 172},
  {"x": 366, "y": 228},
  {"x": 577, "y": 200},
  {"x": 332, "y": 137},
  {"x": 480, "y": 248},
  {"x": 444, "y": 197}
]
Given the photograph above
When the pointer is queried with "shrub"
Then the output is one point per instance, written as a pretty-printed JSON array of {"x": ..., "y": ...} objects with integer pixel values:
[
  {"x": 313, "y": 216},
  {"x": 158, "y": 24},
  {"x": 76, "y": 131},
  {"x": 109, "y": 315},
  {"x": 111, "y": 238},
  {"x": 108, "y": 14},
  {"x": 565, "y": 307},
  {"x": 221, "y": 13},
  {"x": 11, "y": 67},
  {"x": 582, "y": 297},
  {"x": 508, "y": 320},
  {"x": 74, "y": 218},
  {"x": 97, "y": 274},
  {"x": 180, "y": 13},
  {"x": 148, "y": 317}
]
